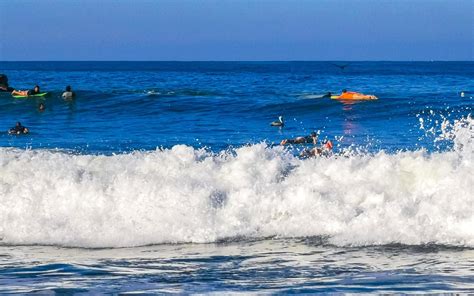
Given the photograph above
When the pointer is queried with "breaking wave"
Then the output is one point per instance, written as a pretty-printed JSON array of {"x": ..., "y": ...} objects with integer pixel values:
[{"x": 184, "y": 194}]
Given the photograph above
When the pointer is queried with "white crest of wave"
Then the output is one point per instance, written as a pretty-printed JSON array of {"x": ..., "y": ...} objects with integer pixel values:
[{"x": 188, "y": 195}]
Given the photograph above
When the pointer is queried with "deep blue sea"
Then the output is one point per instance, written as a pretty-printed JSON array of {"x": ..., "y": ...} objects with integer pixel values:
[{"x": 167, "y": 177}]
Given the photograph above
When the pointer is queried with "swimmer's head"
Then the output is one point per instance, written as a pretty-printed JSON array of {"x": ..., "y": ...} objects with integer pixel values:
[
  {"x": 313, "y": 134},
  {"x": 37, "y": 89},
  {"x": 18, "y": 123},
  {"x": 344, "y": 90},
  {"x": 68, "y": 88}
]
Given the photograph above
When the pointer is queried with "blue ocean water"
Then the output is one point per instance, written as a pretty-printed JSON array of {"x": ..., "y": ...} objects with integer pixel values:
[
  {"x": 167, "y": 177},
  {"x": 125, "y": 106}
]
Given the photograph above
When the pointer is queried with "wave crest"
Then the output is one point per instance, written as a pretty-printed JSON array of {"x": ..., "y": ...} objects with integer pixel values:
[{"x": 184, "y": 194}]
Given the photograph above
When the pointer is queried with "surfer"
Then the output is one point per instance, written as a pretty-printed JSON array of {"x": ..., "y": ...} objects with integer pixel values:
[
  {"x": 351, "y": 95},
  {"x": 25, "y": 93},
  {"x": 4, "y": 87},
  {"x": 312, "y": 138},
  {"x": 324, "y": 150},
  {"x": 68, "y": 94},
  {"x": 18, "y": 129}
]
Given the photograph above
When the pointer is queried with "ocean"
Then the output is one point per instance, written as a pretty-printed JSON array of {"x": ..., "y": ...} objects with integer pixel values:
[{"x": 168, "y": 177}]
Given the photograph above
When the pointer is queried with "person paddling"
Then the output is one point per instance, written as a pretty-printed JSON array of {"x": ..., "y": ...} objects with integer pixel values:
[
  {"x": 18, "y": 129},
  {"x": 324, "y": 150},
  {"x": 311, "y": 139},
  {"x": 25, "y": 93}
]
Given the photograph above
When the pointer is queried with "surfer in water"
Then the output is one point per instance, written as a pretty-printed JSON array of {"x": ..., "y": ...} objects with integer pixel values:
[
  {"x": 4, "y": 87},
  {"x": 352, "y": 95},
  {"x": 18, "y": 129},
  {"x": 25, "y": 93},
  {"x": 327, "y": 95},
  {"x": 324, "y": 150},
  {"x": 311, "y": 139},
  {"x": 68, "y": 94}
]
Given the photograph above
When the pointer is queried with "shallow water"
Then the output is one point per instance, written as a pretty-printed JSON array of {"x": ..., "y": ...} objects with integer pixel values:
[
  {"x": 166, "y": 177},
  {"x": 270, "y": 266}
]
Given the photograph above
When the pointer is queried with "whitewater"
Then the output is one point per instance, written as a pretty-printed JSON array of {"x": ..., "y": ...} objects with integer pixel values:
[{"x": 188, "y": 195}]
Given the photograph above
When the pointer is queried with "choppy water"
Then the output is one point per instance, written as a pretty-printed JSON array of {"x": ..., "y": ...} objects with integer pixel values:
[{"x": 167, "y": 177}]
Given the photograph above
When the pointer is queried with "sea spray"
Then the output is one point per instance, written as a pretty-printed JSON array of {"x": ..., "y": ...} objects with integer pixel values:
[{"x": 184, "y": 194}]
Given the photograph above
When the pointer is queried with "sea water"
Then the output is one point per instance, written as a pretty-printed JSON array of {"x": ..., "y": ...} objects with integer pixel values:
[{"x": 167, "y": 177}]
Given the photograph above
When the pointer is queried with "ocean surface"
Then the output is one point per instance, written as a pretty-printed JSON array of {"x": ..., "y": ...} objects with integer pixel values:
[{"x": 167, "y": 177}]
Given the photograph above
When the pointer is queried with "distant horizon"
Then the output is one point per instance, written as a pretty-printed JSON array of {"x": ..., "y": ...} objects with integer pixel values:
[{"x": 234, "y": 61}]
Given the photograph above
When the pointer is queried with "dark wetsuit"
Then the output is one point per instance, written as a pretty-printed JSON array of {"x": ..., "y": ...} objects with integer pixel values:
[
  {"x": 18, "y": 130},
  {"x": 328, "y": 95},
  {"x": 6, "y": 89},
  {"x": 307, "y": 139},
  {"x": 32, "y": 92}
]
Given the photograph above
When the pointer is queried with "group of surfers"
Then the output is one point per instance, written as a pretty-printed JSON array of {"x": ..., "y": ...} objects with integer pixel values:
[
  {"x": 35, "y": 91},
  {"x": 67, "y": 94},
  {"x": 326, "y": 146},
  {"x": 19, "y": 129},
  {"x": 323, "y": 150}
]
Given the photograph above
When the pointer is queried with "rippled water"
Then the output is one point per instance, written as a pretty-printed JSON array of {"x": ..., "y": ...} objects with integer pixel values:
[
  {"x": 124, "y": 106},
  {"x": 276, "y": 266}
]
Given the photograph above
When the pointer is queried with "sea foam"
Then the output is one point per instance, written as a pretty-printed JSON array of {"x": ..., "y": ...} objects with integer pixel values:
[{"x": 184, "y": 194}]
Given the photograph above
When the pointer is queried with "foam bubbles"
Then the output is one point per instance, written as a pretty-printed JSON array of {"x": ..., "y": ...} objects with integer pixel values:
[{"x": 192, "y": 195}]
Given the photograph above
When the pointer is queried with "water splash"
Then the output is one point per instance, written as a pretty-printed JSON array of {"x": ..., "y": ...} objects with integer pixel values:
[{"x": 184, "y": 194}]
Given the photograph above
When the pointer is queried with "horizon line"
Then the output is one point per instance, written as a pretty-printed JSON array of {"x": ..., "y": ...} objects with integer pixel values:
[{"x": 230, "y": 61}]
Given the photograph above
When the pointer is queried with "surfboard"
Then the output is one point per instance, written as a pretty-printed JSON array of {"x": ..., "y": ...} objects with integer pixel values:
[
  {"x": 313, "y": 96},
  {"x": 356, "y": 98},
  {"x": 35, "y": 95}
]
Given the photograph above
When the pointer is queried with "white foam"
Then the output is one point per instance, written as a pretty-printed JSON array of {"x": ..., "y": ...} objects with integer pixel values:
[{"x": 188, "y": 195}]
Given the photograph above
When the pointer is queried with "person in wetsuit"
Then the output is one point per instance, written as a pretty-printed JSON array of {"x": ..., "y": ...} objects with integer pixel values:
[
  {"x": 327, "y": 95},
  {"x": 25, "y": 93},
  {"x": 68, "y": 94},
  {"x": 324, "y": 150},
  {"x": 18, "y": 129},
  {"x": 4, "y": 87},
  {"x": 311, "y": 139}
]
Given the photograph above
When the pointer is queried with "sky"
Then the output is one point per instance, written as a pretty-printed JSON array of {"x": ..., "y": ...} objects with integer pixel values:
[{"x": 236, "y": 30}]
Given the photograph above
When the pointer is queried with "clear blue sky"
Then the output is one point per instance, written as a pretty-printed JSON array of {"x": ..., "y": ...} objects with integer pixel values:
[{"x": 236, "y": 30}]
